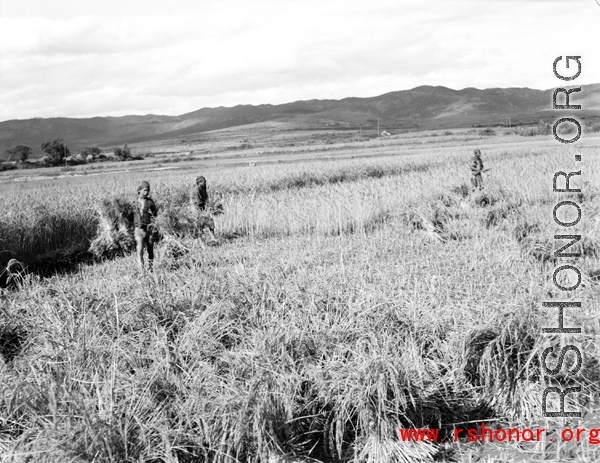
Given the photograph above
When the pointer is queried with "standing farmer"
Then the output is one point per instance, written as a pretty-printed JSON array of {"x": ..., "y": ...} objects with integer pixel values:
[
  {"x": 476, "y": 170},
  {"x": 145, "y": 231},
  {"x": 198, "y": 194},
  {"x": 199, "y": 202}
]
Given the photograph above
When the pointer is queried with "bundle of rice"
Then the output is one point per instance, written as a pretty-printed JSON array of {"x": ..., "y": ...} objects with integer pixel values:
[
  {"x": 475, "y": 344},
  {"x": 115, "y": 229},
  {"x": 506, "y": 364},
  {"x": 433, "y": 228},
  {"x": 13, "y": 275},
  {"x": 115, "y": 235},
  {"x": 177, "y": 222},
  {"x": 185, "y": 222}
]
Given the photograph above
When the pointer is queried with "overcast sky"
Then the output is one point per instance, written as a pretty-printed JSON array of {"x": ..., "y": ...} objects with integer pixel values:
[{"x": 81, "y": 58}]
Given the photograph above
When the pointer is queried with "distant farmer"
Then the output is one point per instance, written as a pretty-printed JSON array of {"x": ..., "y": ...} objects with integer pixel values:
[
  {"x": 476, "y": 170},
  {"x": 199, "y": 203},
  {"x": 145, "y": 230},
  {"x": 199, "y": 194}
]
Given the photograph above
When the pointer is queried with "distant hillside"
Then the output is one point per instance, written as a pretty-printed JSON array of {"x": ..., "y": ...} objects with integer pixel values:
[{"x": 421, "y": 107}]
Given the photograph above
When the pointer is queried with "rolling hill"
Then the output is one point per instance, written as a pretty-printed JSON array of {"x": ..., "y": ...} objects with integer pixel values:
[{"x": 419, "y": 108}]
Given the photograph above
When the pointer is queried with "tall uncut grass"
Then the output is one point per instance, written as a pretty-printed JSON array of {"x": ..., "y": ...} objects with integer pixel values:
[
  {"x": 347, "y": 300},
  {"x": 48, "y": 215}
]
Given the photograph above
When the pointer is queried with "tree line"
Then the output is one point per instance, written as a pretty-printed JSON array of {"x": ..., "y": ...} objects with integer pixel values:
[{"x": 56, "y": 152}]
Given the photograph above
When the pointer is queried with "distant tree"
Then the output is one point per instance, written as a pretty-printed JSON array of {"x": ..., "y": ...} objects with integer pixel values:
[
  {"x": 91, "y": 150},
  {"x": 56, "y": 151},
  {"x": 19, "y": 153},
  {"x": 122, "y": 153}
]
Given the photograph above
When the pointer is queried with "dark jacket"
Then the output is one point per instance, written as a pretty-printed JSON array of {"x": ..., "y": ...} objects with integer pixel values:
[
  {"x": 476, "y": 165},
  {"x": 199, "y": 197},
  {"x": 142, "y": 216}
]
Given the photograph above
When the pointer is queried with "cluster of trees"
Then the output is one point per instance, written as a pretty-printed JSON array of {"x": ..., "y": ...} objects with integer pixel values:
[
  {"x": 56, "y": 152},
  {"x": 122, "y": 153},
  {"x": 18, "y": 153}
]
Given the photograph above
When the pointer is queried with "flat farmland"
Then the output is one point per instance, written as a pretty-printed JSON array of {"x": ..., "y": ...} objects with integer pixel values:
[{"x": 358, "y": 288}]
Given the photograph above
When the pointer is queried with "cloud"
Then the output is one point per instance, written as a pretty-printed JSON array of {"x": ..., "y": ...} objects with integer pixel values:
[{"x": 138, "y": 57}]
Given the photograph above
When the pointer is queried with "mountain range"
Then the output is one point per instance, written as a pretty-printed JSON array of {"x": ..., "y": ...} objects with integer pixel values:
[{"x": 423, "y": 107}]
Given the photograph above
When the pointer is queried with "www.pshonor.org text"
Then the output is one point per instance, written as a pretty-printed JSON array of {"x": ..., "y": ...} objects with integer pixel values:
[{"x": 489, "y": 434}]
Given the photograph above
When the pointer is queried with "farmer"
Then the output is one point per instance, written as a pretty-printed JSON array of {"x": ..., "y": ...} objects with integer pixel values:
[
  {"x": 198, "y": 194},
  {"x": 145, "y": 230},
  {"x": 198, "y": 202},
  {"x": 476, "y": 170}
]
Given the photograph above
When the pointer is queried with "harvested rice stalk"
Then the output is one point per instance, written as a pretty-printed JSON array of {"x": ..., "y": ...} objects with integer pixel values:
[
  {"x": 115, "y": 229},
  {"x": 115, "y": 235},
  {"x": 13, "y": 275},
  {"x": 186, "y": 222},
  {"x": 176, "y": 222},
  {"x": 476, "y": 343},
  {"x": 433, "y": 228},
  {"x": 509, "y": 371}
]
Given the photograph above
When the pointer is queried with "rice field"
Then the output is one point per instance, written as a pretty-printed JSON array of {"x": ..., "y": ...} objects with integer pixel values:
[{"x": 347, "y": 299}]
